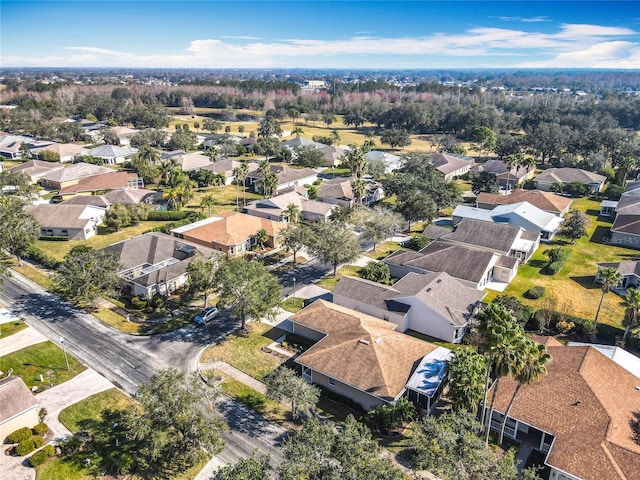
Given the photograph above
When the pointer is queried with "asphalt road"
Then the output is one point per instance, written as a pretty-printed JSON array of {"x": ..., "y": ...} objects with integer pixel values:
[{"x": 129, "y": 361}]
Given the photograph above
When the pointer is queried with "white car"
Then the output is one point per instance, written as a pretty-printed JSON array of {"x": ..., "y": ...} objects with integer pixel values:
[{"x": 206, "y": 315}]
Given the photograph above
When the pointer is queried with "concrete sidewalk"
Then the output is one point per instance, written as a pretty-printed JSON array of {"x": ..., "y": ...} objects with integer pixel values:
[
  {"x": 233, "y": 372},
  {"x": 61, "y": 396},
  {"x": 24, "y": 338}
]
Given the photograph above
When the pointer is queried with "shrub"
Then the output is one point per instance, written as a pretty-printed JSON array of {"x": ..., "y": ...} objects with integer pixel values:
[
  {"x": 38, "y": 458},
  {"x": 535, "y": 293},
  {"x": 40, "y": 429},
  {"x": 157, "y": 301},
  {"x": 37, "y": 255},
  {"x": 138, "y": 303},
  {"x": 553, "y": 268},
  {"x": 54, "y": 238},
  {"x": 42, "y": 413},
  {"x": 417, "y": 243},
  {"x": 20, "y": 435},
  {"x": 167, "y": 215},
  {"x": 37, "y": 441},
  {"x": 564, "y": 327},
  {"x": 25, "y": 447},
  {"x": 49, "y": 450}
]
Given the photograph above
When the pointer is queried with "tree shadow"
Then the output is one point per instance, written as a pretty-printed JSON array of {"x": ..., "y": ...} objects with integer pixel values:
[
  {"x": 586, "y": 281},
  {"x": 635, "y": 427}
]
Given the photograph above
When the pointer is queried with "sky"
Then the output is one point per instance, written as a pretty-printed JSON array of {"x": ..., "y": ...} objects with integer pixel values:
[{"x": 320, "y": 34}]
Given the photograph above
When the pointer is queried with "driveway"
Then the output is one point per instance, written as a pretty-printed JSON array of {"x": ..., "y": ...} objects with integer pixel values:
[
  {"x": 24, "y": 338},
  {"x": 61, "y": 396}
]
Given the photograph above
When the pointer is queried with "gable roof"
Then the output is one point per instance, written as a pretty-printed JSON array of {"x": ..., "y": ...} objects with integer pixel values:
[
  {"x": 35, "y": 168},
  {"x": 448, "y": 162},
  {"x": 457, "y": 260},
  {"x": 588, "y": 402},
  {"x": 522, "y": 213},
  {"x": 76, "y": 172},
  {"x": 112, "y": 151},
  {"x": 15, "y": 398},
  {"x": 62, "y": 149},
  {"x": 226, "y": 166},
  {"x": 160, "y": 257},
  {"x": 496, "y": 236},
  {"x": 286, "y": 174},
  {"x": 434, "y": 232},
  {"x": 547, "y": 201},
  {"x": 130, "y": 196},
  {"x": 499, "y": 167},
  {"x": 628, "y": 205},
  {"x": 568, "y": 175},
  {"x": 360, "y": 350},
  {"x": 301, "y": 142},
  {"x": 95, "y": 200},
  {"x": 230, "y": 228},
  {"x": 625, "y": 268},
  {"x": 67, "y": 216},
  {"x": 105, "y": 181},
  {"x": 626, "y": 224}
]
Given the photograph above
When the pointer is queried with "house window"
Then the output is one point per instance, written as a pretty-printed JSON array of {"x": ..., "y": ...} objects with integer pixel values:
[{"x": 332, "y": 382}]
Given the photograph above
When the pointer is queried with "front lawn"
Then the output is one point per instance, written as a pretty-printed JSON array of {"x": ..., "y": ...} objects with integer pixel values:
[
  {"x": 10, "y": 328},
  {"x": 91, "y": 408},
  {"x": 383, "y": 250},
  {"x": 117, "y": 321},
  {"x": 329, "y": 282},
  {"x": 243, "y": 350},
  {"x": 256, "y": 401},
  {"x": 293, "y": 304},
  {"x": 45, "y": 359},
  {"x": 33, "y": 274},
  {"x": 573, "y": 287}
]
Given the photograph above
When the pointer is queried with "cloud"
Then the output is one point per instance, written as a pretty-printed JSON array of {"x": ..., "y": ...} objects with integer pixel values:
[
  {"x": 572, "y": 45},
  {"x": 240, "y": 37},
  {"x": 525, "y": 19}
]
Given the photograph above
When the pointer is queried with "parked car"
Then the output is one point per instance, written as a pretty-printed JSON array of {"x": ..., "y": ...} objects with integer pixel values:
[{"x": 206, "y": 315}]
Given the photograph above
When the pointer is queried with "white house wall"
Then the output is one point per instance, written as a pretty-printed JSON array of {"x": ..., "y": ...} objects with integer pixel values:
[
  {"x": 366, "y": 400},
  {"x": 423, "y": 319}
]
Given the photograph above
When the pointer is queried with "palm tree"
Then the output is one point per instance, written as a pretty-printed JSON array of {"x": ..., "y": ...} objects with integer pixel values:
[
  {"x": 173, "y": 196},
  {"x": 335, "y": 137},
  {"x": 167, "y": 167},
  {"x": 368, "y": 145},
  {"x": 271, "y": 184},
  {"x": 297, "y": 131},
  {"x": 264, "y": 170},
  {"x": 261, "y": 237},
  {"x": 610, "y": 277},
  {"x": 292, "y": 212},
  {"x": 236, "y": 174},
  {"x": 532, "y": 366},
  {"x": 358, "y": 187},
  {"x": 631, "y": 318},
  {"x": 148, "y": 155},
  {"x": 243, "y": 173},
  {"x": 208, "y": 201},
  {"x": 357, "y": 162},
  {"x": 212, "y": 153}
]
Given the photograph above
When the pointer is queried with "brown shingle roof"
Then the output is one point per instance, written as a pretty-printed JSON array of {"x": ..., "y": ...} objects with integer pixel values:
[
  {"x": 15, "y": 398},
  {"x": 588, "y": 402},
  {"x": 360, "y": 350},
  {"x": 75, "y": 172},
  {"x": 547, "y": 201},
  {"x": 233, "y": 228},
  {"x": 105, "y": 181},
  {"x": 448, "y": 162},
  {"x": 626, "y": 224}
]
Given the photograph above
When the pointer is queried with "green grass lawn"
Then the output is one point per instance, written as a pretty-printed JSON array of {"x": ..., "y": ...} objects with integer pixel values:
[
  {"x": 41, "y": 358},
  {"x": 329, "y": 282},
  {"x": 91, "y": 408},
  {"x": 256, "y": 401},
  {"x": 10, "y": 328},
  {"x": 243, "y": 350},
  {"x": 33, "y": 274},
  {"x": 573, "y": 287},
  {"x": 225, "y": 195},
  {"x": 117, "y": 321},
  {"x": 292, "y": 304},
  {"x": 383, "y": 250}
]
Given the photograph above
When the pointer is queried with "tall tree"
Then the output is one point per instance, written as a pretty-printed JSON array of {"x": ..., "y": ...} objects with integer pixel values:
[
  {"x": 86, "y": 275},
  {"x": 285, "y": 384},
  {"x": 19, "y": 229},
  {"x": 294, "y": 238},
  {"x": 292, "y": 213},
  {"x": 531, "y": 367},
  {"x": 575, "y": 225},
  {"x": 252, "y": 468},
  {"x": 631, "y": 304},
  {"x": 308, "y": 156},
  {"x": 208, "y": 201},
  {"x": 117, "y": 217},
  {"x": 174, "y": 423},
  {"x": 333, "y": 243},
  {"x": 202, "y": 274},
  {"x": 377, "y": 224},
  {"x": 484, "y": 182},
  {"x": 248, "y": 289},
  {"x": 467, "y": 377},
  {"x": 609, "y": 278}
]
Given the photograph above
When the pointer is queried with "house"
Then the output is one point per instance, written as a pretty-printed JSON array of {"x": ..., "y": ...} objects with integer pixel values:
[
  {"x": 358, "y": 356},
  {"x": 333, "y": 156},
  {"x": 287, "y": 177},
  {"x": 18, "y": 406},
  {"x": 580, "y": 415},
  {"x": 434, "y": 304},
  {"x": 78, "y": 222},
  {"x": 131, "y": 196},
  {"x": 187, "y": 161},
  {"x": 340, "y": 192},
  {"x": 10, "y": 145},
  {"x": 63, "y": 177},
  {"x": 473, "y": 267},
  {"x": 274, "y": 208},
  {"x": 95, "y": 200},
  {"x": 292, "y": 143},
  {"x": 124, "y": 134},
  {"x": 102, "y": 182},
  {"x": 230, "y": 232},
  {"x": 155, "y": 263},
  {"x": 451, "y": 165},
  {"x": 619, "y": 355},
  {"x": 113, "y": 154},
  {"x": 506, "y": 177},
  {"x": 68, "y": 152},
  {"x": 391, "y": 162},
  {"x": 521, "y": 214},
  {"x": 629, "y": 270},
  {"x": 545, "y": 201},
  {"x": 547, "y": 179},
  {"x": 226, "y": 167},
  {"x": 625, "y": 230},
  {"x": 500, "y": 238},
  {"x": 35, "y": 169}
]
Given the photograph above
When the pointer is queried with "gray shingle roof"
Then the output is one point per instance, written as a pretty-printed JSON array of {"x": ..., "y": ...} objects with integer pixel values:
[
  {"x": 15, "y": 398},
  {"x": 568, "y": 175},
  {"x": 496, "y": 236},
  {"x": 75, "y": 172},
  {"x": 448, "y": 162}
]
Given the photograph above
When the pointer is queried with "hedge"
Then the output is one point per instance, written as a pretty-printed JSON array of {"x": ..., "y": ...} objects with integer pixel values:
[
  {"x": 20, "y": 435},
  {"x": 168, "y": 215},
  {"x": 40, "y": 429},
  {"x": 581, "y": 325},
  {"x": 535, "y": 292},
  {"x": 25, "y": 447},
  {"x": 40, "y": 457},
  {"x": 138, "y": 303},
  {"x": 54, "y": 238},
  {"x": 35, "y": 254},
  {"x": 554, "y": 267}
]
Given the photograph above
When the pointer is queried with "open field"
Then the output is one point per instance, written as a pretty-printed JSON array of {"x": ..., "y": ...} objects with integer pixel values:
[
  {"x": 573, "y": 285},
  {"x": 243, "y": 350}
]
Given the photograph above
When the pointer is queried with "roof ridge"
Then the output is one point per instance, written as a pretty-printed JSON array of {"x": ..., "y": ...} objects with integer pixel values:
[{"x": 610, "y": 457}]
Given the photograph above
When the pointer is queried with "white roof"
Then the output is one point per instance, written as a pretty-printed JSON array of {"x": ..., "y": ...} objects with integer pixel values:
[
  {"x": 431, "y": 372},
  {"x": 112, "y": 151},
  {"x": 629, "y": 362},
  {"x": 521, "y": 214},
  {"x": 197, "y": 224}
]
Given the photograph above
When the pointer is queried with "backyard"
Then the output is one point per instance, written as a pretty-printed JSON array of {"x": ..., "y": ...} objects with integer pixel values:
[{"x": 573, "y": 287}]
